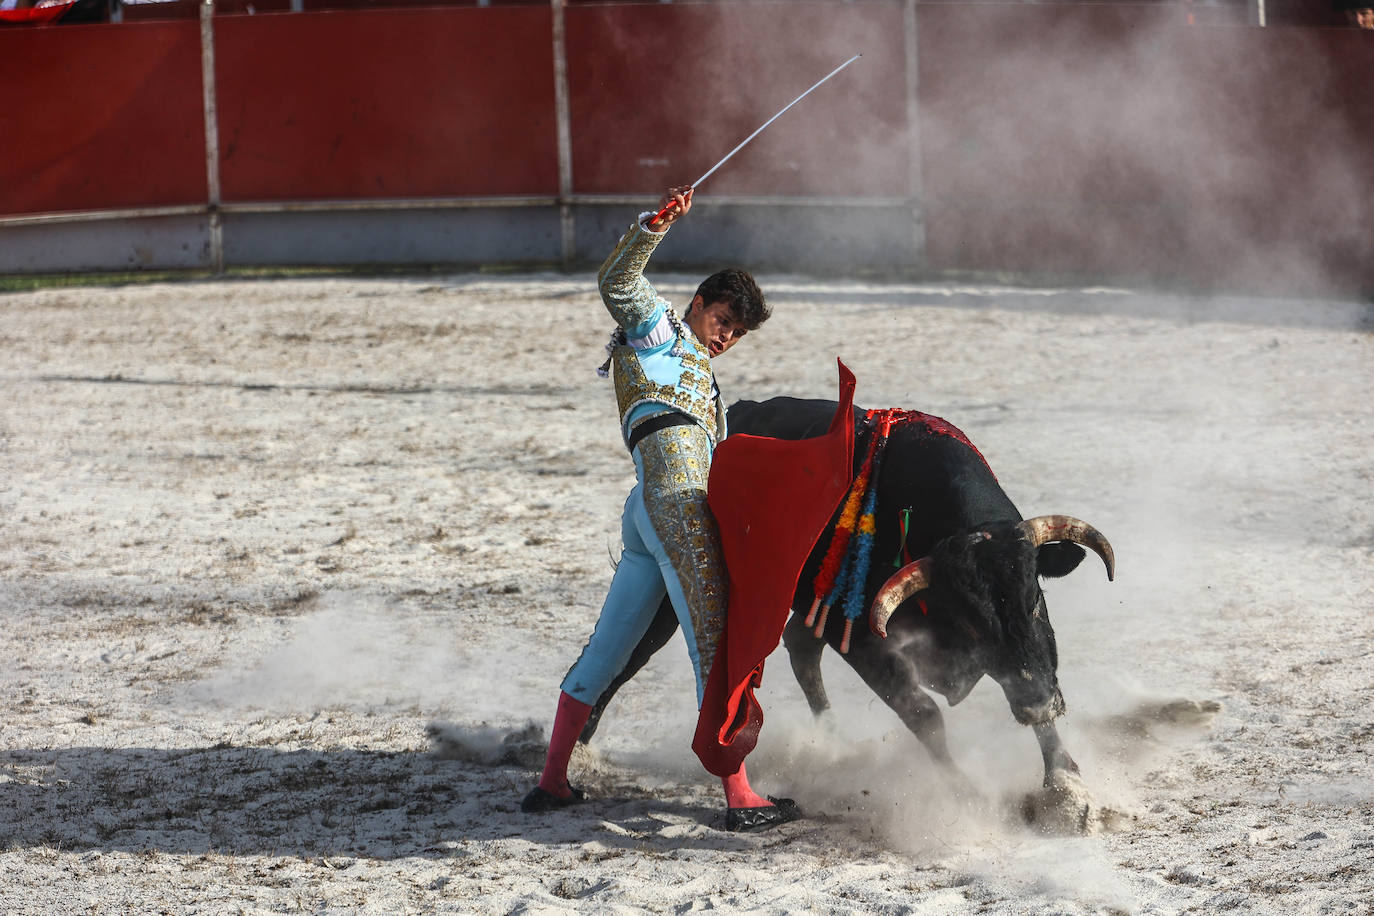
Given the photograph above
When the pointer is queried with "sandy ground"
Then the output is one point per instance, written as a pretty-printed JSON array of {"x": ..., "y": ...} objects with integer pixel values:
[{"x": 290, "y": 572}]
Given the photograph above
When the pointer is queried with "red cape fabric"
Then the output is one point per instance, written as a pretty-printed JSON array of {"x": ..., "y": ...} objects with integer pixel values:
[
  {"x": 771, "y": 498},
  {"x": 36, "y": 15}
]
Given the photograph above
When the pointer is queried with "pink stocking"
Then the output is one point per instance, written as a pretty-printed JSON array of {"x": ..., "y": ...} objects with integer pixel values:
[
  {"x": 738, "y": 794},
  {"x": 567, "y": 725}
]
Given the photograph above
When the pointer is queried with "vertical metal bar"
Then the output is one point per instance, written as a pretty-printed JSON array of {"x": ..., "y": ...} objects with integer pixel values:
[
  {"x": 564, "y": 118},
  {"x": 207, "y": 82},
  {"x": 915, "y": 182},
  {"x": 1257, "y": 13}
]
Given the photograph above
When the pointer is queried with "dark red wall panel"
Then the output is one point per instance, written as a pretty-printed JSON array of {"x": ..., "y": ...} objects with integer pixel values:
[
  {"x": 660, "y": 92},
  {"x": 387, "y": 103},
  {"x": 1119, "y": 140},
  {"x": 1279, "y": 182},
  {"x": 101, "y": 116},
  {"x": 1029, "y": 157}
]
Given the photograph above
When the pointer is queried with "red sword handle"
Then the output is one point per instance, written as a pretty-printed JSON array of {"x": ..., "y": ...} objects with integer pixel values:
[{"x": 666, "y": 207}]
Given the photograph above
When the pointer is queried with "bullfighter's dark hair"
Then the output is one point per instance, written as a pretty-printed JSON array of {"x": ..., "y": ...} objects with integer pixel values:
[{"x": 737, "y": 289}]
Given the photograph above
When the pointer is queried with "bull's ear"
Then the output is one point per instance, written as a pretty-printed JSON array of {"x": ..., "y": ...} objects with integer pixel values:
[{"x": 1058, "y": 558}]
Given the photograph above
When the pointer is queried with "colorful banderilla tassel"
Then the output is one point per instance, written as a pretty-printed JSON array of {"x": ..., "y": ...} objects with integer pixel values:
[
  {"x": 862, "y": 551},
  {"x": 839, "y": 542}
]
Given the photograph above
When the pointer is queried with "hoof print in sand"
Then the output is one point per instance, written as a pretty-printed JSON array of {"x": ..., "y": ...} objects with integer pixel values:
[{"x": 1155, "y": 718}]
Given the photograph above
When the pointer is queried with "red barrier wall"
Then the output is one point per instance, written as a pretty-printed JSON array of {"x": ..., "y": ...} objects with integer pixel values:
[
  {"x": 659, "y": 92},
  {"x": 1106, "y": 138},
  {"x": 1118, "y": 140},
  {"x": 101, "y": 116},
  {"x": 386, "y": 104}
]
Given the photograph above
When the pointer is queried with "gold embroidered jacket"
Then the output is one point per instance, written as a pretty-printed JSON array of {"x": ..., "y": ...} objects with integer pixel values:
[{"x": 656, "y": 370}]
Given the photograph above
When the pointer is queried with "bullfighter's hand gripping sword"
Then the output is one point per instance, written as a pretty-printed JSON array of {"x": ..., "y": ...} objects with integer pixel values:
[{"x": 694, "y": 185}]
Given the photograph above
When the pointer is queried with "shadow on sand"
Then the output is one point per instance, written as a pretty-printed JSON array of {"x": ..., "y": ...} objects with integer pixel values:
[{"x": 310, "y": 803}]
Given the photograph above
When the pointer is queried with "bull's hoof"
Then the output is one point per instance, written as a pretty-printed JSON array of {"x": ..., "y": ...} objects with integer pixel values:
[
  {"x": 1063, "y": 807},
  {"x": 541, "y": 800},
  {"x": 748, "y": 820}
]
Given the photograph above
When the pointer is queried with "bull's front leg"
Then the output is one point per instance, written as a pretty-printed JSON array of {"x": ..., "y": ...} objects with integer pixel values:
[
  {"x": 1057, "y": 759},
  {"x": 893, "y": 679},
  {"x": 1064, "y": 805},
  {"x": 804, "y": 652}
]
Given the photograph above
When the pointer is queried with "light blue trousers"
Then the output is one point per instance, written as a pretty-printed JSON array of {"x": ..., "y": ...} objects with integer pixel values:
[{"x": 677, "y": 462}]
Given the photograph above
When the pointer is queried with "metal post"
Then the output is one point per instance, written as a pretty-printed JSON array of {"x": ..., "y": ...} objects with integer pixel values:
[
  {"x": 1257, "y": 13},
  {"x": 915, "y": 182},
  {"x": 207, "y": 81},
  {"x": 561, "y": 110}
]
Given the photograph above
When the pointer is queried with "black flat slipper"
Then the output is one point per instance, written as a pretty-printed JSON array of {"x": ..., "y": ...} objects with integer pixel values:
[
  {"x": 745, "y": 820},
  {"x": 540, "y": 800}
]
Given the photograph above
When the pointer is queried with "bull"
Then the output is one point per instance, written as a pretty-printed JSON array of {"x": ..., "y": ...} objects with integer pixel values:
[{"x": 970, "y": 606}]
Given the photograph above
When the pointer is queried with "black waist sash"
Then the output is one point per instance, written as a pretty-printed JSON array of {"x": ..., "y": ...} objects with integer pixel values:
[{"x": 654, "y": 424}]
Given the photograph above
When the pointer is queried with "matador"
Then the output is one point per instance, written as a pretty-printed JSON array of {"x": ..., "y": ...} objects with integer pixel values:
[{"x": 671, "y": 418}]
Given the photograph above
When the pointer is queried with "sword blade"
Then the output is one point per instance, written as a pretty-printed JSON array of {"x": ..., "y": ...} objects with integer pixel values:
[{"x": 745, "y": 142}]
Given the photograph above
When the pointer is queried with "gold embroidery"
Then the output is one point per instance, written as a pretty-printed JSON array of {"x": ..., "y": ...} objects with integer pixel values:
[
  {"x": 676, "y": 462},
  {"x": 628, "y": 296},
  {"x": 692, "y": 394}
]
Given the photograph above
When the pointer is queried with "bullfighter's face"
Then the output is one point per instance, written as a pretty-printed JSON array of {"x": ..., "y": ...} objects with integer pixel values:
[{"x": 715, "y": 325}]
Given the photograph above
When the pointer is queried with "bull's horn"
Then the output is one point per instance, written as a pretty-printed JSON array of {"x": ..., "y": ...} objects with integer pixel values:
[
  {"x": 904, "y": 583},
  {"x": 1045, "y": 528}
]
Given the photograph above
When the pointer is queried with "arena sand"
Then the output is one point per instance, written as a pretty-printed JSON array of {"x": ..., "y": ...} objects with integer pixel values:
[{"x": 290, "y": 572}]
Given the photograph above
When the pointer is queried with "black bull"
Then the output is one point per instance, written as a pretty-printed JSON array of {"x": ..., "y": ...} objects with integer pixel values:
[{"x": 984, "y": 612}]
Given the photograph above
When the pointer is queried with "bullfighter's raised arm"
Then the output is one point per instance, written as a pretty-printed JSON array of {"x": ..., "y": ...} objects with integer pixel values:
[{"x": 632, "y": 301}]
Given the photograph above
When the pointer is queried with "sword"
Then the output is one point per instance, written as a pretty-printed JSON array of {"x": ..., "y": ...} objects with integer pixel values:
[{"x": 659, "y": 215}]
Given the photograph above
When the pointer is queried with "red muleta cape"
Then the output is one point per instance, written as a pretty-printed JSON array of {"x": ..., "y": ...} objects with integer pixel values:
[
  {"x": 772, "y": 499},
  {"x": 37, "y": 15}
]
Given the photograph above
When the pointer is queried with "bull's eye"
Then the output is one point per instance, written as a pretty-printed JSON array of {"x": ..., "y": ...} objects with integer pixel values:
[{"x": 1027, "y": 675}]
